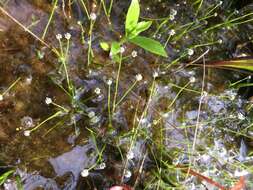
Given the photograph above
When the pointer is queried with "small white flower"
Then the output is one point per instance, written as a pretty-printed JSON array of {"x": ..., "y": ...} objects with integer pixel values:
[
  {"x": 93, "y": 16},
  {"x": 79, "y": 22},
  {"x": 215, "y": 14},
  {"x": 240, "y": 116},
  {"x": 122, "y": 49},
  {"x": 1, "y": 97},
  {"x": 85, "y": 173},
  {"x": 27, "y": 133},
  {"x": 109, "y": 82},
  {"x": 155, "y": 74},
  {"x": 48, "y": 100},
  {"x": 97, "y": 91},
  {"x": 101, "y": 166},
  {"x": 173, "y": 12},
  {"x": 134, "y": 54},
  {"x": 91, "y": 114},
  {"x": 220, "y": 41},
  {"x": 58, "y": 36},
  {"x": 128, "y": 174},
  {"x": 192, "y": 79},
  {"x": 67, "y": 36},
  {"x": 138, "y": 77},
  {"x": 190, "y": 52},
  {"x": 166, "y": 115},
  {"x": 204, "y": 94},
  {"x": 28, "y": 80},
  {"x": 172, "y": 32},
  {"x": 130, "y": 155}
]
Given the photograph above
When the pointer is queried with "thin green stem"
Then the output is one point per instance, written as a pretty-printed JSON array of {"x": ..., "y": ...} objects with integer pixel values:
[
  {"x": 46, "y": 120},
  {"x": 89, "y": 43},
  {"x": 126, "y": 93},
  {"x": 117, "y": 85},
  {"x": 50, "y": 19},
  {"x": 109, "y": 105},
  {"x": 10, "y": 87}
]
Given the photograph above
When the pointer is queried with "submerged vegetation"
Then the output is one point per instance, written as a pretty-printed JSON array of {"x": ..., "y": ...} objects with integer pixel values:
[{"x": 109, "y": 94}]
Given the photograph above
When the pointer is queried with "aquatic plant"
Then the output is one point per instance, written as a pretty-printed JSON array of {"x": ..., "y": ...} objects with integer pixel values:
[{"x": 132, "y": 30}]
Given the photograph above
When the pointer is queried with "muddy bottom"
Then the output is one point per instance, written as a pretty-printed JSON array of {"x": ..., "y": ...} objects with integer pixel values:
[{"x": 56, "y": 131}]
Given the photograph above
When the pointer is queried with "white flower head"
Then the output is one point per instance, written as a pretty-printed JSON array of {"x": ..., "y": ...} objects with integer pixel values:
[
  {"x": 204, "y": 94},
  {"x": 102, "y": 166},
  {"x": 93, "y": 16},
  {"x": 134, "y": 54},
  {"x": 97, "y": 91},
  {"x": 190, "y": 52},
  {"x": 67, "y": 36},
  {"x": 91, "y": 114},
  {"x": 122, "y": 49},
  {"x": 79, "y": 22},
  {"x": 172, "y": 32},
  {"x": 240, "y": 116},
  {"x": 128, "y": 174},
  {"x": 192, "y": 79},
  {"x": 27, "y": 133},
  {"x": 155, "y": 74},
  {"x": 130, "y": 155},
  {"x": 173, "y": 12},
  {"x": 85, "y": 173},
  {"x": 58, "y": 36},
  {"x": 138, "y": 77},
  {"x": 48, "y": 100},
  {"x": 1, "y": 97},
  {"x": 220, "y": 41},
  {"x": 109, "y": 82}
]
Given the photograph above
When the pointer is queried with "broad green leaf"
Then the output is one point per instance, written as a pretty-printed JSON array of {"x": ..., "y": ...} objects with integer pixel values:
[
  {"x": 105, "y": 46},
  {"x": 149, "y": 45},
  {"x": 141, "y": 26},
  {"x": 115, "y": 49},
  {"x": 132, "y": 17}
]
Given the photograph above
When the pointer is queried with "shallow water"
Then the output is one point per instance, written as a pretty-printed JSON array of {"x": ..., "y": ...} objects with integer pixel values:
[{"x": 54, "y": 156}]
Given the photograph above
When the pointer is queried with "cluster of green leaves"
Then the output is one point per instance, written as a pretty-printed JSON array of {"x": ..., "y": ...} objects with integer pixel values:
[{"x": 132, "y": 30}]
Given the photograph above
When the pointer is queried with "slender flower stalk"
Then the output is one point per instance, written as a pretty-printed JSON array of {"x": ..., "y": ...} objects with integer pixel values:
[{"x": 117, "y": 85}]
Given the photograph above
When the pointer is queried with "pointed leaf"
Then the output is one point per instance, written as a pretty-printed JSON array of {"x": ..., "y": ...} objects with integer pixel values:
[
  {"x": 149, "y": 45},
  {"x": 141, "y": 26},
  {"x": 132, "y": 16}
]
